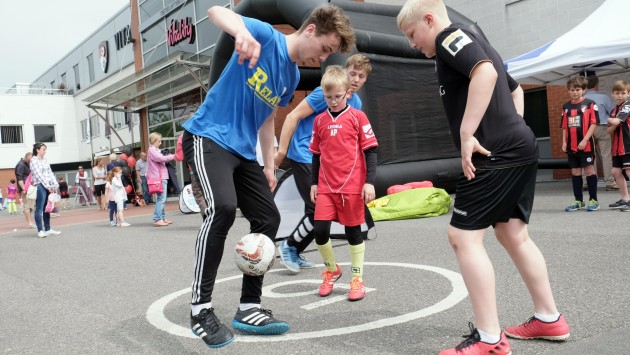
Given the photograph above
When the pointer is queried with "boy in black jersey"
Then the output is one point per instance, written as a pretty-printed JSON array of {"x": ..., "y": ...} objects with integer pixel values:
[
  {"x": 619, "y": 128},
  {"x": 484, "y": 106},
  {"x": 579, "y": 121}
]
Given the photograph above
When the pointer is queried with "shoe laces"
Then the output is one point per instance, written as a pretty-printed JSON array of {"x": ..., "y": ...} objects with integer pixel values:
[
  {"x": 471, "y": 338},
  {"x": 211, "y": 321},
  {"x": 328, "y": 275},
  {"x": 527, "y": 322},
  {"x": 356, "y": 284}
]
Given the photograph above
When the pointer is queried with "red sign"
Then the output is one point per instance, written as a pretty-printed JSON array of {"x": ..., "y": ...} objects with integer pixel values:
[{"x": 179, "y": 31}]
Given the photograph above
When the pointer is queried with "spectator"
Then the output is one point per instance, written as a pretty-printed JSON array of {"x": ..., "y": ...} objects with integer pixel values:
[
  {"x": 141, "y": 169},
  {"x": 22, "y": 171},
  {"x": 157, "y": 169},
  {"x": 100, "y": 178},
  {"x": 82, "y": 182},
  {"x": 43, "y": 178}
]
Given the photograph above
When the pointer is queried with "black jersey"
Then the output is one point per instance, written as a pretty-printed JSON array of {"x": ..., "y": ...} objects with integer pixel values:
[
  {"x": 621, "y": 136},
  {"x": 502, "y": 130}
]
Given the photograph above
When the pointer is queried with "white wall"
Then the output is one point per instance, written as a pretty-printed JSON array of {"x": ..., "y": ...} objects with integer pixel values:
[{"x": 29, "y": 110}]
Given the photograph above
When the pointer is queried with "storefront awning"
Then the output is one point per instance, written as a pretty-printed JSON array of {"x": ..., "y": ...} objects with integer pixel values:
[{"x": 169, "y": 77}]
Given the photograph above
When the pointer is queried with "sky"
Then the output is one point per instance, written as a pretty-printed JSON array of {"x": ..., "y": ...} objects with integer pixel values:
[{"x": 36, "y": 34}]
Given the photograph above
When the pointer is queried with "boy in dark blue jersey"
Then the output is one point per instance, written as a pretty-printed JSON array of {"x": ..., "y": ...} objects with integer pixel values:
[
  {"x": 484, "y": 107},
  {"x": 295, "y": 139},
  {"x": 579, "y": 121},
  {"x": 219, "y": 145}
]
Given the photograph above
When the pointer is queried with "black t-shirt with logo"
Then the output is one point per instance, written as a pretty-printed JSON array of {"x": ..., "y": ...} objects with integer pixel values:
[{"x": 502, "y": 130}]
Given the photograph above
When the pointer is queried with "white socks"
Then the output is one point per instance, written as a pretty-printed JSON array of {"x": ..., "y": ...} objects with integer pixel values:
[
  {"x": 489, "y": 338},
  {"x": 246, "y": 306},
  {"x": 547, "y": 318},
  {"x": 196, "y": 308}
]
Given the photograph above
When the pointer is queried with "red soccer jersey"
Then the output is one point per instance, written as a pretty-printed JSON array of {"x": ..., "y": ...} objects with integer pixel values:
[
  {"x": 340, "y": 142},
  {"x": 577, "y": 118},
  {"x": 621, "y": 136}
]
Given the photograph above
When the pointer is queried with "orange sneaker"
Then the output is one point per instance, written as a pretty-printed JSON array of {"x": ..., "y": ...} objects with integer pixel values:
[
  {"x": 474, "y": 346},
  {"x": 329, "y": 280},
  {"x": 534, "y": 328},
  {"x": 357, "y": 289}
]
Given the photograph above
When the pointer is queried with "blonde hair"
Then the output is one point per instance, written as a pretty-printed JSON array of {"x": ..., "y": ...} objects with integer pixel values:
[
  {"x": 413, "y": 10},
  {"x": 153, "y": 137},
  {"x": 331, "y": 20},
  {"x": 335, "y": 76},
  {"x": 113, "y": 156},
  {"x": 620, "y": 85},
  {"x": 111, "y": 173},
  {"x": 360, "y": 62}
]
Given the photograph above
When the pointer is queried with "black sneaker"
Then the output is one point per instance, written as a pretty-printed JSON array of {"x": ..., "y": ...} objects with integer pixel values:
[
  {"x": 619, "y": 204},
  {"x": 208, "y": 327},
  {"x": 258, "y": 321}
]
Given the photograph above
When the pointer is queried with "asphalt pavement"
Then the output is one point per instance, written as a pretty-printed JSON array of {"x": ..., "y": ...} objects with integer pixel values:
[{"x": 96, "y": 289}]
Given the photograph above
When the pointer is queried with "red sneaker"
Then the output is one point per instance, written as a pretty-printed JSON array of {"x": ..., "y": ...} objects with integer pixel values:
[
  {"x": 329, "y": 280},
  {"x": 357, "y": 289},
  {"x": 536, "y": 329},
  {"x": 474, "y": 346}
]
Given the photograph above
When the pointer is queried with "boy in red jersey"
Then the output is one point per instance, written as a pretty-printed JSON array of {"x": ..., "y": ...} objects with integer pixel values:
[
  {"x": 619, "y": 128},
  {"x": 484, "y": 107},
  {"x": 579, "y": 121},
  {"x": 342, "y": 181}
]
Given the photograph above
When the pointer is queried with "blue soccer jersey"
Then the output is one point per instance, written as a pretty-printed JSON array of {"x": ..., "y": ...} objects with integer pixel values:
[
  {"x": 301, "y": 140},
  {"x": 242, "y": 99}
]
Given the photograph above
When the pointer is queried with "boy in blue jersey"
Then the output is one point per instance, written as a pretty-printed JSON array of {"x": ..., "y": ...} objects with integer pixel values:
[
  {"x": 298, "y": 128},
  {"x": 219, "y": 145}
]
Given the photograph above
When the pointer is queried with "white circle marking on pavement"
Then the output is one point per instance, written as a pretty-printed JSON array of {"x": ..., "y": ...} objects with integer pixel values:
[{"x": 155, "y": 313}]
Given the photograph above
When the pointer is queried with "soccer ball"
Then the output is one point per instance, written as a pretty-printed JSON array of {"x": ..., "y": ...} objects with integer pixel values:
[{"x": 255, "y": 254}]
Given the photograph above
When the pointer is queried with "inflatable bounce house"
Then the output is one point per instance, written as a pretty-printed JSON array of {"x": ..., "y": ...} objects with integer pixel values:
[{"x": 400, "y": 97}]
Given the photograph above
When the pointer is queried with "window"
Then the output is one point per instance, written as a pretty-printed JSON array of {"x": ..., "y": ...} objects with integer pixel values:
[
  {"x": 90, "y": 60},
  {"x": 11, "y": 134},
  {"x": 44, "y": 133},
  {"x": 95, "y": 126},
  {"x": 63, "y": 80},
  {"x": 52, "y": 84},
  {"x": 84, "y": 130},
  {"x": 119, "y": 119},
  {"x": 77, "y": 78}
]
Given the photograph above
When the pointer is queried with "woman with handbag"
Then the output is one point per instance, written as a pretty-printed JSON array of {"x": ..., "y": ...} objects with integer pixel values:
[
  {"x": 157, "y": 178},
  {"x": 43, "y": 178}
]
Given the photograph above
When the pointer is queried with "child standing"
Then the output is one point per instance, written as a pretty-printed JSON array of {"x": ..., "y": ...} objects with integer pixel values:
[
  {"x": 111, "y": 201},
  {"x": 579, "y": 121},
  {"x": 619, "y": 128},
  {"x": 64, "y": 193},
  {"x": 484, "y": 107},
  {"x": 342, "y": 182},
  {"x": 120, "y": 195},
  {"x": 11, "y": 196}
]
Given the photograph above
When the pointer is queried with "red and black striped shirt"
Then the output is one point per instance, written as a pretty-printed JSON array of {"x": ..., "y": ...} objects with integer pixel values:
[
  {"x": 621, "y": 136},
  {"x": 577, "y": 118}
]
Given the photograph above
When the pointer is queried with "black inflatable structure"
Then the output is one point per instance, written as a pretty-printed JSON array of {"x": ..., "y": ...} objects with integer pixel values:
[{"x": 400, "y": 97}]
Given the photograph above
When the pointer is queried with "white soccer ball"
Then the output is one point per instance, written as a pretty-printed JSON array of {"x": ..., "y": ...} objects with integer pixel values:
[{"x": 255, "y": 254}]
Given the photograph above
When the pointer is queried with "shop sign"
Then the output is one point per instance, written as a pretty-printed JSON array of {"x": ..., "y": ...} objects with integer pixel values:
[
  {"x": 123, "y": 37},
  {"x": 179, "y": 30}
]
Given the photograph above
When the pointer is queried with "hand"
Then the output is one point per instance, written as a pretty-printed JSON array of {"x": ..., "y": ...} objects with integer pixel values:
[
  {"x": 278, "y": 157},
  {"x": 564, "y": 147},
  {"x": 271, "y": 177},
  {"x": 582, "y": 144},
  {"x": 313, "y": 193},
  {"x": 470, "y": 146},
  {"x": 247, "y": 47},
  {"x": 368, "y": 193}
]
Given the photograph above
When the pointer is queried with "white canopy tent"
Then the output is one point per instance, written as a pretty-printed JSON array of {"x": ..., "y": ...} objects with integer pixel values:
[{"x": 600, "y": 44}]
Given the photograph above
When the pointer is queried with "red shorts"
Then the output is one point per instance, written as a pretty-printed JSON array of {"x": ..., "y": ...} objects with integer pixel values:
[{"x": 348, "y": 210}]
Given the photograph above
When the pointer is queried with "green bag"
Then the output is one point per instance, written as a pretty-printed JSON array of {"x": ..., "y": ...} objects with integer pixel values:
[{"x": 414, "y": 203}]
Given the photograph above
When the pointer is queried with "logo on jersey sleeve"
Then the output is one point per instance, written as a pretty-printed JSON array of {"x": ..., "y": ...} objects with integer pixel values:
[
  {"x": 367, "y": 131},
  {"x": 456, "y": 41},
  {"x": 595, "y": 107},
  {"x": 624, "y": 113},
  {"x": 263, "y": 92}
]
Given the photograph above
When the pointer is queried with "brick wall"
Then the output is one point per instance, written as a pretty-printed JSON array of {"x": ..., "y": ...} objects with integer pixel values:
[{"x": 5, "y": 176}]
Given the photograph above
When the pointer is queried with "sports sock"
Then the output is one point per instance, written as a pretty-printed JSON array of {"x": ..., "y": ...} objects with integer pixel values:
[
  {"x": 328, "y": 255},
  {"x": 196, "y": 308},
  {"x": 591, "y": 182},
  {"x": 577, "y": 188},
  {"x": 547, "y": 318},
  {"x": 489, "y": 338},
  {"x": 246, "y": 306},
  {"x": 357, "y": 254}
]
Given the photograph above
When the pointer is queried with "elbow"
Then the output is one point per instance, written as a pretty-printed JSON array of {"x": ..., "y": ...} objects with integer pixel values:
[{"x": 213, "y": 12}]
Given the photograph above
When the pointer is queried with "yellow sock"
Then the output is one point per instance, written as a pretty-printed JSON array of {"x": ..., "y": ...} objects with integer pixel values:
[
  {"x": 327, "y": 253},
  {"x": 357, "y": 254}
]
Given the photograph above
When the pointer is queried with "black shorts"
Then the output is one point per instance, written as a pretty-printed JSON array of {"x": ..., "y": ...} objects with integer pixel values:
[
  {"x": 494, "y": 196},
  {"x": 621, "y": 161},
  {"x": 99, "y": 190},
  {"x": 580, "y": 160}
]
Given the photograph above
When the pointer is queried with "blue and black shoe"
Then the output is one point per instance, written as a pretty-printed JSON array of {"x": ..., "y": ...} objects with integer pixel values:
[
  {"x": 258, "y": 321},
  {"x": 209, "y": 328}
]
